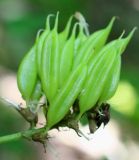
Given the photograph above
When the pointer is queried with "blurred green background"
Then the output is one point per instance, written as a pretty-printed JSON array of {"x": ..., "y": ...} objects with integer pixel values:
[{"x": 19, "y": 22}]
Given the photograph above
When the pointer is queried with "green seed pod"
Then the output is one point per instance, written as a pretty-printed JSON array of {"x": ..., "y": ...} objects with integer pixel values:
[
  {"x": 37, "y": 93},
  {"x": 63, "y": 36},
  {"x": 67, "y": 95},
  {"x": 28, "y": 69},
  {"x": 114, "y": 47},
  {"x": 95, "y": 58},
  {"x": 39, "y": 44},
  {"x": 27, "y": 75},
  {"x": 96, "y": 41},
  {"x": 67, "y": 56},
  {"x": 45, "y": 67},
  {"x": 50, "y": 63},
  {"x": 123, "y": 42},
  {"x": 112, "y": 81},
  {"x": 114, "y": 75},
  {"x": 95, "y": 81},
  {"x": 81, "y": 38}
]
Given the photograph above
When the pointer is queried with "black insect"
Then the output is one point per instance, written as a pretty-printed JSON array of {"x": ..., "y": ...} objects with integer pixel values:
[
  {"x": 102, "y": 115},
  {"x": 99, "y": 115}
]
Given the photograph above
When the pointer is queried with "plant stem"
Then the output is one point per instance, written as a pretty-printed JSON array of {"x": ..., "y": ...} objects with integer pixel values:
[
  {"x": 77, "y": 118},
  {"x": 24, "y": 134},
  {"x": 12, "y": 137}
]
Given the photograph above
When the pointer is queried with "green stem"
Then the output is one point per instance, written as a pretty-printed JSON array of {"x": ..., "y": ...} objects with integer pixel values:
[
  {"x": 46, "y": 129},
  {"x": 12, "y": 137},
  {"x": 19, "y": 135},
  {"x": 78, "y": 117}
]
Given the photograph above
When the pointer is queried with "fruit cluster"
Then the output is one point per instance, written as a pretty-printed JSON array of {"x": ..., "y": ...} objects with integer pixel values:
[{"x": 76, "y": 71}]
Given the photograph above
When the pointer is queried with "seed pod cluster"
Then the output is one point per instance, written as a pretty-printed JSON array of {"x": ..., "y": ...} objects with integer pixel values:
[{"x": 76, "y": 71}]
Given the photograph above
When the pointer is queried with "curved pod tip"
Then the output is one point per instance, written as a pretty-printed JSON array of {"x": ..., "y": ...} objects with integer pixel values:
[
  {"x": 47, "y": 25},
  {"x": 56, "y": 22},
  {"x": 124, "y": 42}
]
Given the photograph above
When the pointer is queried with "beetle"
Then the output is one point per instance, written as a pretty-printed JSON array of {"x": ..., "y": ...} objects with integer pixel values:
[
  {"x": 103, "y": 115},
  {"x": 97, "y": 116}
]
